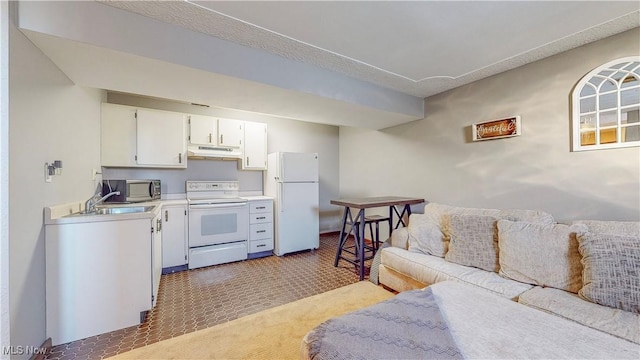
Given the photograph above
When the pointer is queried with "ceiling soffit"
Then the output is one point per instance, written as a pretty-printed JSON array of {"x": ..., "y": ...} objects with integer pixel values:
[{"x": 209, "y": 18}]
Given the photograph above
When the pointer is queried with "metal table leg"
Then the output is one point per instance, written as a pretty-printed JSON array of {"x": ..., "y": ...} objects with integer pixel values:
[{"x": 360, "y": 239}]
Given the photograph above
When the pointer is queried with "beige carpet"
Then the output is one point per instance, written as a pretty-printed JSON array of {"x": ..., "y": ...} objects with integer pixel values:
[{"x": 271, "y": 334}]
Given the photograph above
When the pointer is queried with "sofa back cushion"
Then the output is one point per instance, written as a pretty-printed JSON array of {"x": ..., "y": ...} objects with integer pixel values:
[
  {"x": 426, "y": 231},
  {"x": 473, "y": 241},
  {"x": 611, "y": 275},
  {"x": 541, "y": 254},
  {"x": 631, "y": 228}
]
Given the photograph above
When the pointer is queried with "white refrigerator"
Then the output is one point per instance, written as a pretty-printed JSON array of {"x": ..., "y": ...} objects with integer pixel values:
[{"x": 292, "y": 180}]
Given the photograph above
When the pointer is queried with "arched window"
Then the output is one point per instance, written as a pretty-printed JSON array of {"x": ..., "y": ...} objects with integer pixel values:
[{"x": 606, "y": 106}]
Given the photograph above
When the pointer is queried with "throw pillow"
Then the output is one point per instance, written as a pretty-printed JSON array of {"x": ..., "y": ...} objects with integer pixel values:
[
  {"x": 541, "y": 254},
  {"x": 426, "y": 231},
  {"x": 473, "y": 241},
  {"x": 425, "y": 235},
  {"x": 611, "y": 273}
]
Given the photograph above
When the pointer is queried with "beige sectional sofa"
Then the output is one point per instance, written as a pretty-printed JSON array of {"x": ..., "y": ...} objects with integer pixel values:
[{"x": 587, "y": 272}]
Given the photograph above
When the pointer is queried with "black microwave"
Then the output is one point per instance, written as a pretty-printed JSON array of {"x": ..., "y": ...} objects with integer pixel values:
[{"x": 131, "y": 190}]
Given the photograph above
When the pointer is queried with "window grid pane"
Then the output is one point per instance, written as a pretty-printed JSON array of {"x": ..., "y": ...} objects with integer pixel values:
[
  {"x": 608, "y": 101},
  {"x": 630, "y": 81},
  {"x": 608, "y": 85},
  {"x": 631, "y": 133},
  {"x": 630, "y": 97}
]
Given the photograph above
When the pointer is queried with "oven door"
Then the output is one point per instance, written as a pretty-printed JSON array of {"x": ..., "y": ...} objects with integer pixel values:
[{"x": 213, "y": 224}]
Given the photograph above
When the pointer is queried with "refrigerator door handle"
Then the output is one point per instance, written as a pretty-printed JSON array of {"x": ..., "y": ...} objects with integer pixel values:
[{"x": 280, "y": 196}]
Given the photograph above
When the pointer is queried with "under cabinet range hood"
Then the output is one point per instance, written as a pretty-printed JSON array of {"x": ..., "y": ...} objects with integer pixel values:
[{"x": 211, "y": 152}]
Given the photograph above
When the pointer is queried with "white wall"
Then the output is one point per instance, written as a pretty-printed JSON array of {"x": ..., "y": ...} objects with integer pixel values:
[
  {"x": 4, "y": 177},
  {"x": 434, "y": 158},
  {"x": 49, "y": 119}
]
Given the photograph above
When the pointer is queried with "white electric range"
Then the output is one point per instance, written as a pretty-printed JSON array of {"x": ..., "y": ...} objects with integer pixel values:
[{"x": 218, "y": 223}]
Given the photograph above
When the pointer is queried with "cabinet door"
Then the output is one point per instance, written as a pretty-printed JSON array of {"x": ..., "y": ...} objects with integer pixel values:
[
  {"x": 203, "y": 130},
  {"x": 161, "y": 138},
  {"x": 255, "y": 146},
  {"x": 118, "y": 135},
  {"x": 230, "y": 133},
  {"x": 156, "y": 257},
  {"x": 174, "y": 237}
]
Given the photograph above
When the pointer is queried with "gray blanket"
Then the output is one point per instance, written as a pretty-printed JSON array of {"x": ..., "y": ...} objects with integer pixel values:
[
  {"x": 408, "y": 326},
  {"x": 375, "y": 263}
]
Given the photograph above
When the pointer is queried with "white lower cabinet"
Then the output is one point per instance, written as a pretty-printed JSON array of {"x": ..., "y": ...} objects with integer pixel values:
[
  {"x": 174, "y": 238},
  {"x": 156, "y": 257},
  {"x": 100, "y": 276},
  {"x": 260, "y": 227}
]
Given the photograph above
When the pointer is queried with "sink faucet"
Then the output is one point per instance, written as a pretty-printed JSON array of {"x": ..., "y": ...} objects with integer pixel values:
[{"x": 90, "y": 205}]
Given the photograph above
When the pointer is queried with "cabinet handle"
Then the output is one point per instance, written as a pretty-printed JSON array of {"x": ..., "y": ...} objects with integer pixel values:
[
  {"x": 221, "y": 139},
  {"x": 166, "y": 215},
  {"x": 180, "y": 158},
  {"x": 209, "y": 138},
  {"x": 159, "y": 225},
  {"x": 261, "y": 231},
  {"x": 261, "y": 217},
  {"x": 262, "y": 245},
  {"x": 247, "y": 161},
  {"x": 261, "y": 207}
]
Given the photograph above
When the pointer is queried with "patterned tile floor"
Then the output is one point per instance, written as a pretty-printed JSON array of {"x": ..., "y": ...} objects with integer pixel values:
[{"x": 197, "y": 299}]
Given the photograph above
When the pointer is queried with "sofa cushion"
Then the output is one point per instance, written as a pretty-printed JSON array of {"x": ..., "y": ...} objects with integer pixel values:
[
  {"x": 473, "y": 241},
  {"x": 611, "y": 227},
  {"x": 541, "y": 254},
  {"x": 428, "y": 269},
  {"x": 617, "y": 322},
  {"x": 488, "y": 327},
  {"x": 426, "y": 233},
  {"x": 611, "y": 274}
]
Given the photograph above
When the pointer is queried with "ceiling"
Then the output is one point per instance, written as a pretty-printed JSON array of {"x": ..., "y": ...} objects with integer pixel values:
[
  {"x": 419, "y": 48},
  {"x": 366, "y": 64}
]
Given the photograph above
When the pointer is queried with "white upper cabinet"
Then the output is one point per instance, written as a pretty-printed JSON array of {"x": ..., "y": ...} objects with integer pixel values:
[
  {"x": 215, "y": 132},
  {"x": 254, "y": 146},
  {"x": 139, "y": 137},
  {"x": 135, "y": 137},
  {"x": 203, "y": 130},
  {"x": 118, "y": 135},
  {"x": 161, "y": 138},
  {"x": 230, "y": 133}
]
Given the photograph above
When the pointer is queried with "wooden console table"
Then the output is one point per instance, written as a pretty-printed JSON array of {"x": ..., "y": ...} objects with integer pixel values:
[{"x": 358, "y": 223}]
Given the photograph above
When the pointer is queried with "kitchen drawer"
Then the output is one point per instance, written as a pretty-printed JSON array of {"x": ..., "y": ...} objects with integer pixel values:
[
  {"x": 260, "y": 206},
  {"x": 260, "y": 231},
  {"x": 260, "y": 245},
  {"x": 260, "y": 218}
]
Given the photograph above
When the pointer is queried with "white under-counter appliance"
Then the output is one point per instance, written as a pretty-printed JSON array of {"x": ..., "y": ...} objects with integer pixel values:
[
  {"x": 292, "y": 178},
  {"x": 218, "y": 223}
]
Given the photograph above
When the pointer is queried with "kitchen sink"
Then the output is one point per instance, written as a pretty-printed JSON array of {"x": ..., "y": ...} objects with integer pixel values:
[
  {"x": 114, "y": 210},
  {"x": 123, "y": 210}
]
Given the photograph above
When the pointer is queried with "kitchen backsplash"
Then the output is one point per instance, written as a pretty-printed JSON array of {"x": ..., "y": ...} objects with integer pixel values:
[{"x": 173, "y": 180}]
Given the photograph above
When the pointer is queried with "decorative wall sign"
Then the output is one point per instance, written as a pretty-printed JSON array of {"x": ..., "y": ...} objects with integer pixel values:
[{"x": 496, "y": 129}]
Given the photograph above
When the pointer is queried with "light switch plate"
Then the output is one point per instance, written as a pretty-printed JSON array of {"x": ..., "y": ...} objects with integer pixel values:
[{"x": 47, "y": 177}]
